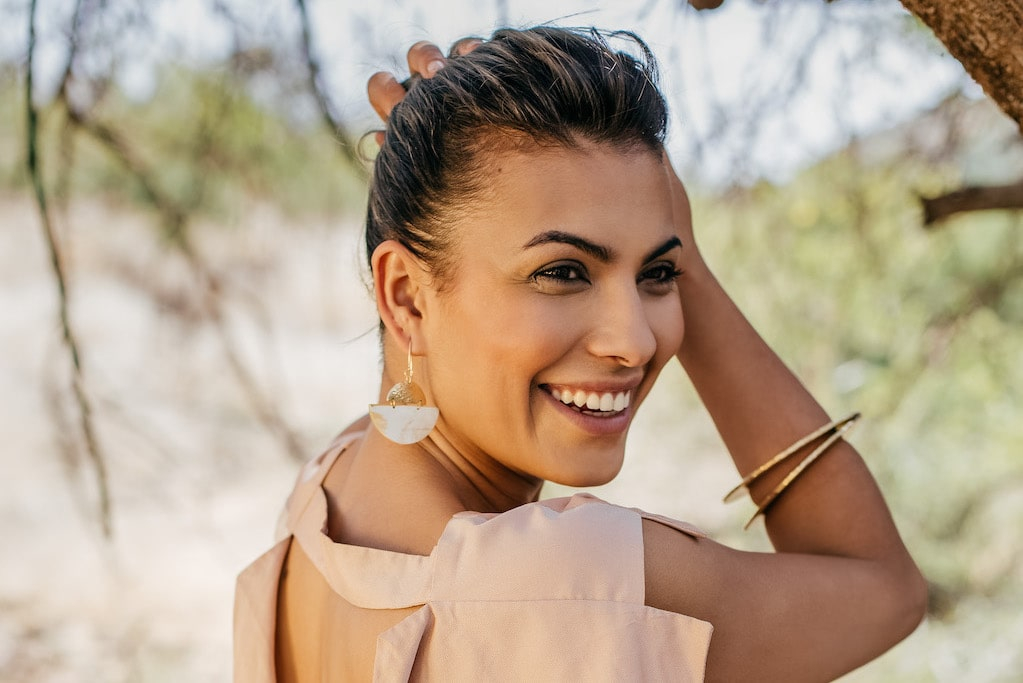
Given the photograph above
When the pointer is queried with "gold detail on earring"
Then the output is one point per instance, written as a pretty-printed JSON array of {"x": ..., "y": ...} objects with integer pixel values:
[
  {"x": 407, "y": 392},
  {"x": 404, "y": 418}
]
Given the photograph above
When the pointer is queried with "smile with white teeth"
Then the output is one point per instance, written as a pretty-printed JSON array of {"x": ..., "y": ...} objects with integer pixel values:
[{"x": 605, "y": 402}]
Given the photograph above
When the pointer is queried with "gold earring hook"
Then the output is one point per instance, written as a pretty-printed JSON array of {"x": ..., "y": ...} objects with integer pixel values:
[
  {"x": 407, "y": 392},
  {"x": 408, "y": 370}
]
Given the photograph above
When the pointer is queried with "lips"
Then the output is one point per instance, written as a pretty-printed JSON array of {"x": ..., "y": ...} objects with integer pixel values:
[{"x": 606, "y": 402}]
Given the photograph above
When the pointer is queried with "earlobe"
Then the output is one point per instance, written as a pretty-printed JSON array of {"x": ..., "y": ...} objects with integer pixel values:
[{"x": 397, "y": 284}]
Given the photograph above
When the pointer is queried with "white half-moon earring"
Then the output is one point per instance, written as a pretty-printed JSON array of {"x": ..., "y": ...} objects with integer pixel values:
[{"x": 404, "y": 418}]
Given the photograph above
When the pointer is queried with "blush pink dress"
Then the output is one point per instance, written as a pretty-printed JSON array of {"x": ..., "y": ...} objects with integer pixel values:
[{"x": 550, "y": 591}]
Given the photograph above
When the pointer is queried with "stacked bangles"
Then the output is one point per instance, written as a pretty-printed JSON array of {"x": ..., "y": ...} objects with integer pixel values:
[{"x": 833, "y": 431}]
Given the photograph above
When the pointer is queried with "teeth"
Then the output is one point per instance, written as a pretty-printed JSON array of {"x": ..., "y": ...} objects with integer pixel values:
[
  {"x": 621, "y": 401},
  {"x": 591, "y": 400}
]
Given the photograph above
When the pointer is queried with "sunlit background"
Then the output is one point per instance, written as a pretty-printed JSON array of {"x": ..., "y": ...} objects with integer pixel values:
[{"x": 208, "y": 211}]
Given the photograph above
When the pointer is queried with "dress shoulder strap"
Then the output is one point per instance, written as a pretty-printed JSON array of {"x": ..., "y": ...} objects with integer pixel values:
[{"x": 310, "y": 478}]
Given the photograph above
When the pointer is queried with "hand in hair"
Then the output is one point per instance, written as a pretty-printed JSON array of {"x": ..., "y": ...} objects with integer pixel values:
[
  {"x": 841, "y": 587},
  {"x": 424, "y": 60},
  {"x": 692, "y": 264}
]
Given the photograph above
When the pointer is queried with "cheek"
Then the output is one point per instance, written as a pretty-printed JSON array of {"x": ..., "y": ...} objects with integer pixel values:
[
  {"x": 502, "y": 331},
  {"x": 484, "y": 352}
]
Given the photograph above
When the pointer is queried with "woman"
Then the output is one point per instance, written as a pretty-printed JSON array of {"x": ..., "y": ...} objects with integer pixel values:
[{"x": 534, "y": 269}]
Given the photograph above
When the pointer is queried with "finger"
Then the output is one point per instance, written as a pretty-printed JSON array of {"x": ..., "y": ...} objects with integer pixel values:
[
  {"x": 681, "y": 207},
  {"x": 679, "y": 195},
  {"x": 464, "y": 46},
  {"x": 425, "y": 59},
  {"x": 384, "y": 92},
  {"x": 682, "y": 212}
]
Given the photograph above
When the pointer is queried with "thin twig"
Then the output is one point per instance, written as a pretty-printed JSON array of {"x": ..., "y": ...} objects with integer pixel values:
[
  {"x": 173, "y": 215},
  {"x": 70, "y": 340},
  {"x": 175, "y": 219},
  {"x": 330, "y": 118}
]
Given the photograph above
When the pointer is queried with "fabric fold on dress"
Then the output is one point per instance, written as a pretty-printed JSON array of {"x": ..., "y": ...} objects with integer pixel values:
[{"x": 548, "y": 591}]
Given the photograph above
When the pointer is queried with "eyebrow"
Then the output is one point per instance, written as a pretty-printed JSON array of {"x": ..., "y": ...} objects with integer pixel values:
[
  {"x": 670, "y": 244},
  {"x": 597, "y": 251}
]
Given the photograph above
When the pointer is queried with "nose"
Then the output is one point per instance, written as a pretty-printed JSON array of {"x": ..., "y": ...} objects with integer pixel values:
[{"x": 622, "y": 329}]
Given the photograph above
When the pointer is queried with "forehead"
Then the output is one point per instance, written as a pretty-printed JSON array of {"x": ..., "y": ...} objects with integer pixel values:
[{"x": 603, "y": 193}]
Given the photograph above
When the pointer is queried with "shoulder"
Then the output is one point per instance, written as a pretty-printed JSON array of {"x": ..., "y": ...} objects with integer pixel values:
[
  {"x": 578, "y": 519},
  {"x": 559, "y": 548},
  {"x": 578, "y": 523},
  {"x": 562, "y": 579},
  {"x": 309, "y": 480}
]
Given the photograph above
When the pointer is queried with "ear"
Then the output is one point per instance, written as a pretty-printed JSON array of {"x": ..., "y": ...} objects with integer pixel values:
[{"x": 399, "y": 281}]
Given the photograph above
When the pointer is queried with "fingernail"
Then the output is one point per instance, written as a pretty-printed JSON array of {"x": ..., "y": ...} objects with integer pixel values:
[{"x": 434, "y": 66}]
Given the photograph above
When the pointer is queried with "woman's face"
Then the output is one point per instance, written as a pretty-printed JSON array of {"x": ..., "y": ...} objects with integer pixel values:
[{"x": 563, "y": 293}]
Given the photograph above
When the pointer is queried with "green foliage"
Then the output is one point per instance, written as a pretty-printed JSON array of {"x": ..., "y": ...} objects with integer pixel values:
[
  {"x": 12, "y": 130},
  {"x": 203, "y": 142}
]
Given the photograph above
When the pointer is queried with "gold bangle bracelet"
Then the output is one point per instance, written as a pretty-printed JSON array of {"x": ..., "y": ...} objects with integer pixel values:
[
  {"x": 801, "y": 467},
  {"x": 805, "y": 441}
]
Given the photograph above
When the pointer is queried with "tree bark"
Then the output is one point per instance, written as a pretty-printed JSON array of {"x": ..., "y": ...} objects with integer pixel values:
[
  {"x": 986, "y": 36},
  {"x": 972, "y": 199}
]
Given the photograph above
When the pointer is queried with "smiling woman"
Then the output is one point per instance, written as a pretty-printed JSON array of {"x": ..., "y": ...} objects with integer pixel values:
[
  {"x": 588, "y": 309},
  {"x": 534, "y": 269}
]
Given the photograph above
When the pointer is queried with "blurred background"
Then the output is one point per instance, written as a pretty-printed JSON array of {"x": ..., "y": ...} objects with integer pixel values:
[{"x": 184, "y": 317}]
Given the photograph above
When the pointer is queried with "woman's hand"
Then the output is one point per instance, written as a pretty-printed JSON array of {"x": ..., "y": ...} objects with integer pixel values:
[
  {"x": 693, "y": 264},
  {"x": 424, "y": 61}
]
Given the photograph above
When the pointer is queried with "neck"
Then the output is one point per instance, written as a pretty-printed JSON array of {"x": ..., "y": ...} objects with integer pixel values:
[
  {"x": 479, "y": 482},
  {"x": 482, "y": 483}
]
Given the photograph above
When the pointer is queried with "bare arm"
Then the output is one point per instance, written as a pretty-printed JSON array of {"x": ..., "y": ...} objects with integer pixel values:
[{"x": 842, "y": 588}]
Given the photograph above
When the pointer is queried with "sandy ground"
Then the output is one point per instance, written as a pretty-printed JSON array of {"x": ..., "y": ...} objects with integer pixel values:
[{"x": 196, "y": 480}]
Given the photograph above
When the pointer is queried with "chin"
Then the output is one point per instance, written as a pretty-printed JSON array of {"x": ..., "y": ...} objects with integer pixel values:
[{"x": 590, "y": 475}]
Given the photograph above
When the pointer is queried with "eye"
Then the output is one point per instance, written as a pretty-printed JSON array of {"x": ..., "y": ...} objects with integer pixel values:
[
  {"x": 561, "y": 272},
  {"x": 660, "y": 277},
  {"x": 564, "y": 275}
]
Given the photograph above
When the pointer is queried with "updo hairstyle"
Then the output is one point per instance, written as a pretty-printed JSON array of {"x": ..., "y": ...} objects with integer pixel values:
[{"x": 545, "y": 86}]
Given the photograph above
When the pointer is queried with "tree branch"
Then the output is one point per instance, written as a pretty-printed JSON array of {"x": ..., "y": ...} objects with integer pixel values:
[
  {"x": 976, "y": 198},
  {"x": 70, "y": 339},
  {"x": 327, "y": 111},
  {"x": 175, "y": 219},
  {"x": 706, "y": 4},
  {"x": 173, "y": 215},
  {"x": 985, "y": 37}
]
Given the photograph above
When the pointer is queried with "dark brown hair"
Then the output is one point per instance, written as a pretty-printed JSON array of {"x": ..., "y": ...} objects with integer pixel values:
[{"x": 551, "y": 87}]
